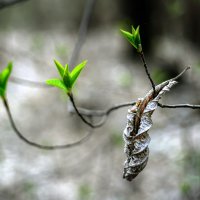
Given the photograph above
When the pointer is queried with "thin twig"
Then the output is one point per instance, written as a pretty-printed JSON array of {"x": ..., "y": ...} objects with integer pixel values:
[
  {"x": 81, "y": 116},
  {"x": 100, "y": 113},
  {"x": 90, "y": 113},
  {"x": 179, "y": 75},
  {"x": 147, "y": 72},
  {"x": 29, "y": 83},
  {"x": 83, "y": 29},
  {"x": 40, "y": 146},
  {"x": 6, "y": 3},
  {"x": 179, "y": 106}
]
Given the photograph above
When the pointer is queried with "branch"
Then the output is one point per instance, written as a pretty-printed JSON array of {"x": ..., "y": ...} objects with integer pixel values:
[
  {"x": 91, "y": 113},
  {"x": 100, "y": 113},
  {"x": 6, "y": 3},
  {"x": 104, "y": 113},
  {"x": 179, "y": 75},
  {"x": 180, "y": 106},
  {"x": 147, "y": 72},
  {"x": 29, "y": 83},
  {"x": 81, "y": 116},
  {"x": 83, "y": 29},
  {"x": 40, "y": 146}
]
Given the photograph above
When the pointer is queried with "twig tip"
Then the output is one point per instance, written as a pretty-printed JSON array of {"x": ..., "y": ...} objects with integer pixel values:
[{"x": 188, "y": 67}]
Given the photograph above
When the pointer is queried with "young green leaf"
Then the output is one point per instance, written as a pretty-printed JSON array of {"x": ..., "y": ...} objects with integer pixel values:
[
  {"x": 60, "y": 68},
  {"x": 128, "y": 36},
  {"x": 4, "y": 76},
  {"x": 67, "y": 78},
  {"x": 134, "y": 38},
  {"x": 57, "y": 83},
  {"x": 76, "y": 72},
  {"x": 137, "y": 39},
  {"x": 133, "y": 30}
]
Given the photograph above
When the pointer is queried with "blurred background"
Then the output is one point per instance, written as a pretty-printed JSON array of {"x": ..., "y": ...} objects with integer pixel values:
[{"x": 33, "y": 33}]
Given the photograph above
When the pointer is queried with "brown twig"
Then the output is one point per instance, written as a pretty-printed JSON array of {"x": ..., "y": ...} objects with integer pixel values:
[
  {"x": 147, "y": 72},
  {"x": 179, "y": 106},
  {"x": 179, "y": 75},
  {"x": 34, "y": 144},
  {"x": 100, "y": 113},
  {"x": 84, "y": 112}
]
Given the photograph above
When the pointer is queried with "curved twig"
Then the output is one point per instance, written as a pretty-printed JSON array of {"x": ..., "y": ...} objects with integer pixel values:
[
  {"x": 100, "y": 113},
  {"x": 91, "y": 113},
  {"x": 179, "y": 75},
  {"x": 40, "y": 146}
]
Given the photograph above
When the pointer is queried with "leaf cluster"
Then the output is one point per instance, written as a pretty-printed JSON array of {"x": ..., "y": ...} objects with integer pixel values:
[
  {"x": 133, "y": 38},
  {"x": 68, "y": 79}
]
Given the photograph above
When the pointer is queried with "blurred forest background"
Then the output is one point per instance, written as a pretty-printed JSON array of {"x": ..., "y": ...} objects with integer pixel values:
[{"x": 33, "y": 33}]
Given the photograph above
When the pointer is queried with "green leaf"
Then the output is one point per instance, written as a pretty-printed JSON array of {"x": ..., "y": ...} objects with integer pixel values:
[
  {"x": 2, "y": 92},
  {"x": 4, "y": 76},
  {"x": 67, "y": 78},
  {"x": 133, "y": 30},
  {"x": 57, "y": 83},
  {"x": 137, "y": 39},
  {"x": 134, "y": 38},
  {"x": 59, "y": 67},
  {"x": 128, "y": 36},
  {"x": 76, "y": 72}
]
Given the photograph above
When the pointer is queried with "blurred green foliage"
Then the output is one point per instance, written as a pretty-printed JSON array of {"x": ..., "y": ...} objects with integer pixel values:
[
  {"x": 37, "y": 42},
  {"x": 116, "y": 139},
  {"x": 125, "y": 79},
  {"x": 175, "y": 8},
  {"x": 84, "y": 192},
  {"x": 197, "y": 67},
  {"x": 191, "y": 183},
  {"x": 185, "y": 187},
  {"x": 159, "y": 75},
  {"x": 29, "y": 187},
  {"x": 61, "y": 51}
]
